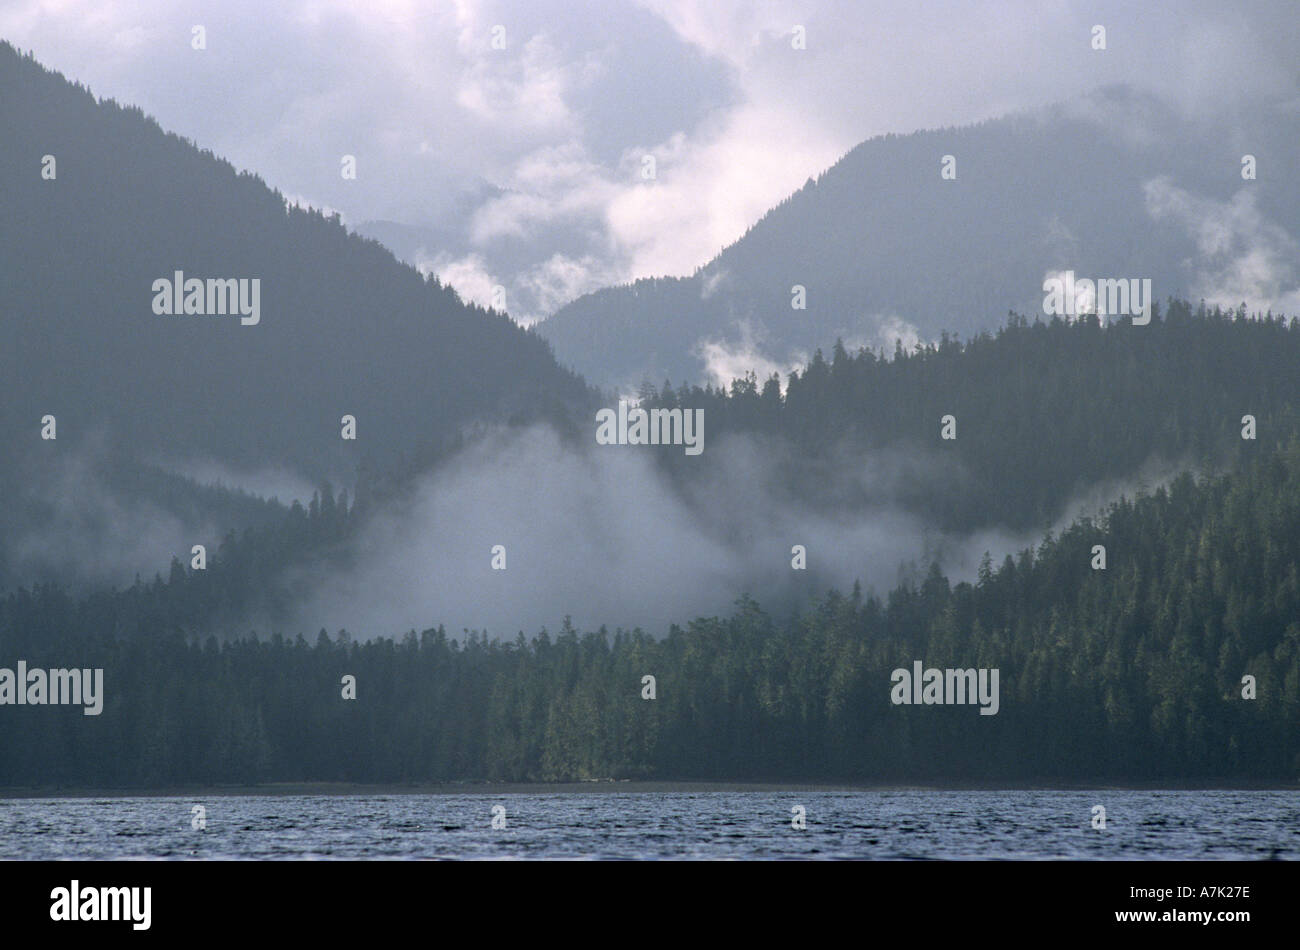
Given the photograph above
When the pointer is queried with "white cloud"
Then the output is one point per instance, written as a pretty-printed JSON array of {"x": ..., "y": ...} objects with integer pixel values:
[
  {"x": 468, "y": 276},
  {"x": 710, "y": 283},
  {"x": 1241, "y": 256},
  {"x": 891, "y": 330},
  {"x": 549, "y": 186},
  {"x": 726, "y": 360},
  {"x": 561, "y": 279},
  {"x": 524, "y": 92},
  {"x": 710, "y": 190}
]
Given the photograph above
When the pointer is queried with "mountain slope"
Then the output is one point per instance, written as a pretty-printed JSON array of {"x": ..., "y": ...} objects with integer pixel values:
[{"x": 344, "y": 328}]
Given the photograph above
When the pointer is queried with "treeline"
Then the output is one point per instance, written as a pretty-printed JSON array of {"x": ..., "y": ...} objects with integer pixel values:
[
  {"x": 1043, "y": 410},
  {"x": 1134, "y": 672}
]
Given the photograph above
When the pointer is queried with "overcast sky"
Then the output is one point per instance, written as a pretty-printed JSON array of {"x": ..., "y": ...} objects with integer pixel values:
[{"x": 557, "y": 123}]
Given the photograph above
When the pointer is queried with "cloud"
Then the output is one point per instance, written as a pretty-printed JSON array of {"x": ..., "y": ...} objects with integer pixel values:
[
  {"x": 710, "y": 283},
  {"x": 600, "y": 533},
  {"x": 561, "y": 279},
  {"x": 467, "y": 275},
  {"x": 891, "y": 331},
  {"x": 1241, "y": 256},
  {"x": 710, "y": 189},
  {"x": 525, "y": 92},
  {"x": 548, "y": 187},
  {"x": 71, "y": 523},
  {"x": 725, "y": 360}
]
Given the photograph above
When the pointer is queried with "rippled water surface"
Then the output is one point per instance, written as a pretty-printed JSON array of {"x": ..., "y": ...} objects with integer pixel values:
[{"x": 728, "y": 825}]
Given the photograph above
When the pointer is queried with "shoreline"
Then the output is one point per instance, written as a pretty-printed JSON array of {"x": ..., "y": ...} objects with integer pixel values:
[{"x": 609, "y": 786}]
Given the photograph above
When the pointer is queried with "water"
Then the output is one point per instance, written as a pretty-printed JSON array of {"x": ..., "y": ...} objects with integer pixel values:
[{"x": 888, "y": 824}]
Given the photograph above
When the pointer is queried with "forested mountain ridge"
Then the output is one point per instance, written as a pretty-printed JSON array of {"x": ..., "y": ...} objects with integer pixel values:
[{"x": 1044, "y": 411}]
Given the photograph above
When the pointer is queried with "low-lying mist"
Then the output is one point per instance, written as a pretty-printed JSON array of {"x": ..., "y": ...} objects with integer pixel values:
[
  {"x": 602, "y": 535},
  {"x": 86, "y": 517}
]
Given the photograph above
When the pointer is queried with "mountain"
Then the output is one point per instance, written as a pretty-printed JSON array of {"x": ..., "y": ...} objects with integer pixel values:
[
  {"x": 1114, "y": 186},
  {"x": 99, "y": 207}
]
